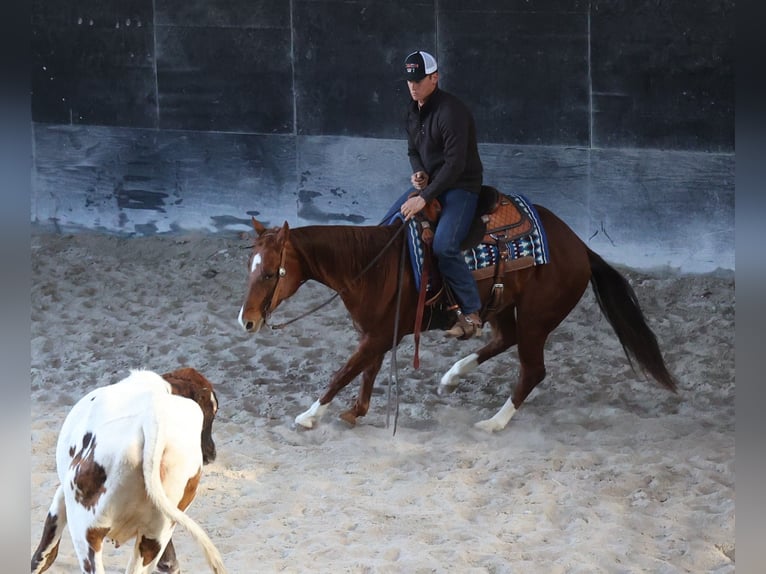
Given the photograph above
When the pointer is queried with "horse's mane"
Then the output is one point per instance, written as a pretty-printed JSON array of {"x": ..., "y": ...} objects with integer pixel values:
[{"x": 345, "y": 249}]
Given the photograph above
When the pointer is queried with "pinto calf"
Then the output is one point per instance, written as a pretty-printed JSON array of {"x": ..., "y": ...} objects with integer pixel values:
[{"x": 129, "y": 458}]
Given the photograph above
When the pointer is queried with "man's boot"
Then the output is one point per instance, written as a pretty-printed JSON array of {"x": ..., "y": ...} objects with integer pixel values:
[{"x": 466, "y": 327}]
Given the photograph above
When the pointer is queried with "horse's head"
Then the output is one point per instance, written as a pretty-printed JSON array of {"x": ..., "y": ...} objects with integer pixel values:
[{"x": 273, "y": 275}]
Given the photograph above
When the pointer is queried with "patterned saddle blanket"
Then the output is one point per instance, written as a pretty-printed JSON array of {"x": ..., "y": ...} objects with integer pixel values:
[{"x": 521, "y": 251}]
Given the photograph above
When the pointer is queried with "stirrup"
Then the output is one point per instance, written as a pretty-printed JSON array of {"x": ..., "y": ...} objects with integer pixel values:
[{"x": 467, "y": 326}]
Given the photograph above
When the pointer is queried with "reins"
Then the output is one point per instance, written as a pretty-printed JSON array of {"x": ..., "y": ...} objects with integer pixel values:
[
  {"x": 394, "y": 372},
  {"x": 393, "y": 376},
  {"x": 337, "y": 293}
]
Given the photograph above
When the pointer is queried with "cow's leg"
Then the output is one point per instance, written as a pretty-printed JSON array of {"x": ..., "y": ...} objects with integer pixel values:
[
  {"x": 55, "y": 522},
  {"x": 168, "y": 563},
  {"x": 366, "y": 354},
  {"x": 149, "y": 548},
  {"x": 88, "y": 545}
]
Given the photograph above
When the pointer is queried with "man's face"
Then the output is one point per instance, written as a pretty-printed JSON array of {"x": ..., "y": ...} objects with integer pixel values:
[{"x": 424, "y": 88}]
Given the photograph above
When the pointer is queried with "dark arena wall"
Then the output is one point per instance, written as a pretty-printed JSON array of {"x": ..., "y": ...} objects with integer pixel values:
[{"x": 168, "y": 116}]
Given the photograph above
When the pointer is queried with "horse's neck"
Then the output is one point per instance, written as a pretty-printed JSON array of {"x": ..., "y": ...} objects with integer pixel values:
[{"x": 335, "y": 255}]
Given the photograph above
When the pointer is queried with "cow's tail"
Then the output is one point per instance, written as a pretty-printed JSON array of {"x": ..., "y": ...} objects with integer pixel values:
[{"x": 154, "y": 445}]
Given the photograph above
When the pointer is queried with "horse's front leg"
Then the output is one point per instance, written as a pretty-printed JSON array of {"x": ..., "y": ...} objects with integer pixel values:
[
  {"x": 364, "y": 358},
  {"x": 362, "y": 403}
]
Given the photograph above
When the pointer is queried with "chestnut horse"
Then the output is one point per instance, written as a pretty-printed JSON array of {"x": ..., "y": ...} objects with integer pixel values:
[{"x": 535, "y": 300}]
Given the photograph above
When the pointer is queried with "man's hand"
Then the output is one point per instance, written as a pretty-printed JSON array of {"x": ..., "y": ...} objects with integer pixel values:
[
  {"x": 412, "y": 207},
  {"x": 419, "y": 180}
]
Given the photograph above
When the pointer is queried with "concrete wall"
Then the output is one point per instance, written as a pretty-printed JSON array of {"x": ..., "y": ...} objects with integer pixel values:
[{"x": 162, "y": 116}]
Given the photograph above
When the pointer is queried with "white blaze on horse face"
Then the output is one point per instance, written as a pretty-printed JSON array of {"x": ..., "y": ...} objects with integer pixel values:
[
  {"x": 253, "y": 266},
  {"x": 240, "y": 319},
  {"x": 254, "y": 326},
  {"x": 256, "y": 262}
]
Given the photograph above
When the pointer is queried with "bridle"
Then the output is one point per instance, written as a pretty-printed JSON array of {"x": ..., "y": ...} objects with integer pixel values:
[
  {"x": 282, "y": 272},
  {"x": 270, "y": 300}
]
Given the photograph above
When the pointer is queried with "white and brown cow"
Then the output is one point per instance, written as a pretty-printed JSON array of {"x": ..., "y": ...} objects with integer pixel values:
[{"x": 129, "y": 459}]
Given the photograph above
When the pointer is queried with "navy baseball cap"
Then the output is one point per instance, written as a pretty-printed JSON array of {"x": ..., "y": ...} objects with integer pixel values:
[{"x": 418, "y": 65}]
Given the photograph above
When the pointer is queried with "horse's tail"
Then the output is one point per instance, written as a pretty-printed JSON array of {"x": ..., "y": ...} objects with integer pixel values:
[{"x": 619, "y": 304}]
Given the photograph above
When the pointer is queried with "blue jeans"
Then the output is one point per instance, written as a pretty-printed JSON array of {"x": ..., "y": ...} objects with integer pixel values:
[{"x": 458, "y": 209}]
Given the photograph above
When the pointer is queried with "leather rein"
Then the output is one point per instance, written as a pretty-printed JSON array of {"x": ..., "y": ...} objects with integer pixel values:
[
  {"x": 393, "y": 376},
  {"x": 313, "y": 310}
]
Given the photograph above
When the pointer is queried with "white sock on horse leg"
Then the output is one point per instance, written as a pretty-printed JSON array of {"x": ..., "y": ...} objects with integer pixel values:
[
  {"x": 500, "y": 420},
  {"x": 311, "y": 416},
  {"x": 451, "y": 378}
]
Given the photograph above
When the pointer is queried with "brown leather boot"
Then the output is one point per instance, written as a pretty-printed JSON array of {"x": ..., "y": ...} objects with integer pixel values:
[{"x": 467, "y": 326}]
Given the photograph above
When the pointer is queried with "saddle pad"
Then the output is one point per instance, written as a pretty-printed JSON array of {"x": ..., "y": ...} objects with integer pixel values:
[{"x": 527, "y": 250}]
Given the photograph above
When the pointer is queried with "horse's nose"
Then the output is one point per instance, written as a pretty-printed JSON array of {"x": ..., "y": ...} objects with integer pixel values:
[{"x": 246, "y": 325}]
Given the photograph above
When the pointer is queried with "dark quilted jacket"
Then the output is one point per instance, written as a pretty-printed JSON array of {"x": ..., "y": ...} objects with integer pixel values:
[{"x": 441, "y": 139}]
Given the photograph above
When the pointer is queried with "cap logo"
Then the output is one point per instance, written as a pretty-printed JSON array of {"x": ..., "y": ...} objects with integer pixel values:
[{"x": 418, "y": 65}]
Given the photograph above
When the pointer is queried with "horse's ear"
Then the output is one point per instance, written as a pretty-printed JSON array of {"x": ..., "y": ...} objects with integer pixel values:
[
  {"x": 284, "y": 233},
  {"x": 258, "y": 226}
]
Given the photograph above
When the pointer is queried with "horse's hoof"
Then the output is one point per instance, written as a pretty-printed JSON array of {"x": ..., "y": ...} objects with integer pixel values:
[
  {"x": 349, "y": 417},
  {"x": 305, "y": 422},
  {"x": 444, "y": 390},
  {"x": 488, "y": 426}
]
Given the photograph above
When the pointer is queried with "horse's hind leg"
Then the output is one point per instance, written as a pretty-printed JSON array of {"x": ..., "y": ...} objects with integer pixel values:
[
  {"x": 532, "y": 372},
  {"x": 503, "y": 338},
  {"x": 535, "y": 322}
]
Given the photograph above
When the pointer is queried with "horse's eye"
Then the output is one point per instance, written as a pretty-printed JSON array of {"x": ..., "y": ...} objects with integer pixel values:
[{"x": 267, "y": 276}]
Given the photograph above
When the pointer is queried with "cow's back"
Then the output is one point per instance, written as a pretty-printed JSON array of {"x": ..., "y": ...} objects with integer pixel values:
[
  {"x": 106, "y": 423},
  {"x": 100, "y": 452}
]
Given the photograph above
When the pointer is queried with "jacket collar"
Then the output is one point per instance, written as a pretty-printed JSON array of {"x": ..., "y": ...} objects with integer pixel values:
[{"x": 430, "y": 102}]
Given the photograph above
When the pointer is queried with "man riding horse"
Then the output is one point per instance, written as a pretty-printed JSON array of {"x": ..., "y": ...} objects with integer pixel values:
[{"x": 444, "y": 155}]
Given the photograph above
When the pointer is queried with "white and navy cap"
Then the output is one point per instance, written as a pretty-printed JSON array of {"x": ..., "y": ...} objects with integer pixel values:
[{"x": 418, "y": 65}]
